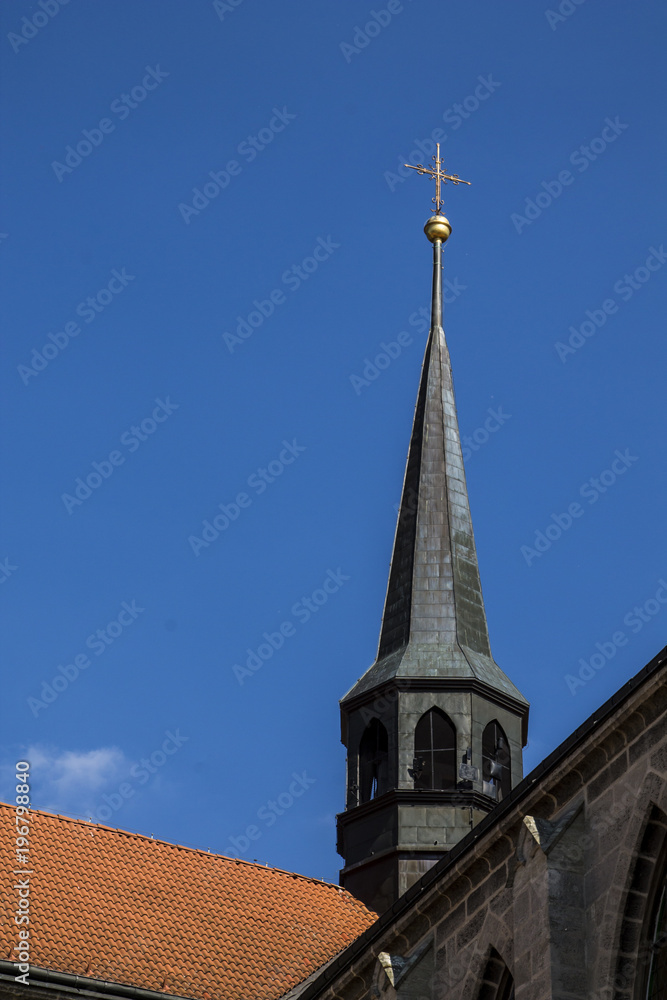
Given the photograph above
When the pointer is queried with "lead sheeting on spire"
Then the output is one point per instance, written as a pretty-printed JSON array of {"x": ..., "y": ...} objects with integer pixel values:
[{"x": 434, "y": 622}]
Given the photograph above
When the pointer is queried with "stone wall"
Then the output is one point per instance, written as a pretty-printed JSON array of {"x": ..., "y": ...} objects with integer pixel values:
[{"x": 555, "y": 892}]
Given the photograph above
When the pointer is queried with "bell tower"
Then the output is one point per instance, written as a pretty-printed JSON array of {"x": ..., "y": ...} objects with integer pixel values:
[{"x": 434, "y": 729}]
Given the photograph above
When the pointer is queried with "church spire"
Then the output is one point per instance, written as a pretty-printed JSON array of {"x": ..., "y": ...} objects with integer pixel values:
[
  {"x": 434, "y": 729},
  {"x": 434, "y": 619},
  {"x": 434, "y": 593}
]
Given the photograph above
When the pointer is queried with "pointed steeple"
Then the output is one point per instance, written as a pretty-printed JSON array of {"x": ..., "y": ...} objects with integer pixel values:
[
  {"x": 434, "y": 729},
  {"x": 434, "y": 621},
  {"x": 434, "y": 593}
]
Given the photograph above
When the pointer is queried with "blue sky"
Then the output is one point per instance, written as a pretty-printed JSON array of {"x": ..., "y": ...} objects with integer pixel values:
[{"x": 206, "y": 342}]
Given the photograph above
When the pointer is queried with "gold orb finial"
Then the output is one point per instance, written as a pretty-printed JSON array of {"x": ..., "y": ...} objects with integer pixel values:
[{"x": 438, "y": 228}]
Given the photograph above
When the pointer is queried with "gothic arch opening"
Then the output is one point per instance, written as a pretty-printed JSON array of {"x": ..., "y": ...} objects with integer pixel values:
[
  {"x": 641, "y": 970},
  {"x": 434, "y": 763},
  {"x": 373, "y": 761},
  {"x": 656, "y": 941},
  {"x": 497, "y": 983},
  {"x": 496, "y": 762}
]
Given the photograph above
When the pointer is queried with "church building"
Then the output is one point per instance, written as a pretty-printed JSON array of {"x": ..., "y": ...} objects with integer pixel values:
[{"x": 461, "y": 879}]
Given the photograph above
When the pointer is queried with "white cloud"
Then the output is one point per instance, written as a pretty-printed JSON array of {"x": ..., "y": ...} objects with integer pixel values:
[{"x": 70, "y": 781}]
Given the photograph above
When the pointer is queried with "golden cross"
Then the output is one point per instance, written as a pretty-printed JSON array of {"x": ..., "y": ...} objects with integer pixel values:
[{"x": 439, "y": 175}]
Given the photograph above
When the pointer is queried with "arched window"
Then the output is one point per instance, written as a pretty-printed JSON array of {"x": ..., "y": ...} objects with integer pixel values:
[
  {"x": 435, "y": 751},
  {"x": 496, "y": 764},
  {"x": 506, "y": 990},
  {"x": 656, "y": 978},
  {"x": 497, "y": 983},
  {"x": 373, "y": 761},
  {"x": 653, "y": 944},
  {"x": 641, "y": 965}
]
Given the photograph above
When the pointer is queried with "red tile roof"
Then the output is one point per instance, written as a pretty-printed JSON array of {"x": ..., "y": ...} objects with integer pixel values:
[{"x": 117, "y": 906}]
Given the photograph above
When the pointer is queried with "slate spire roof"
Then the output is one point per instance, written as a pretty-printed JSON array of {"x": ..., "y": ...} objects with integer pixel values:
[
  {"x": 434, "y": 622},
  {"x": 434, "y": 593}
]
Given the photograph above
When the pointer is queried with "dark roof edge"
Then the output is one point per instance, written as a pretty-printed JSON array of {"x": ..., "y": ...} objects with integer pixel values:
[
  {"x": 425, "y": 683},
  {"x": 495, "y": 816},
  {"x": 81, "y": 986},
  {"x": 474, "y": 684}
]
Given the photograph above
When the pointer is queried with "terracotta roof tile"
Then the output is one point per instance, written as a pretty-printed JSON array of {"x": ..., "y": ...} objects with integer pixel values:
[{"x": 117, "y": 906}]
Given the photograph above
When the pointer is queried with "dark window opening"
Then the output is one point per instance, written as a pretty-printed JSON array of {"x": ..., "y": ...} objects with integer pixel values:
[
  {"x": 656, "y": 944},
  {"x": 497, "y": 983},
  {"x": 641, "y": 965},
  {"x": 434, "y": 763},
  {"x": 496, "y": 764},
  {"x": 373, "y": 762},
  {"x": 506, "y": 991}
]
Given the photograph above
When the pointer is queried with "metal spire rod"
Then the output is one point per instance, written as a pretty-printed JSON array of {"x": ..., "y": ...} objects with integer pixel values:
[{"x": 436, "y": 293}]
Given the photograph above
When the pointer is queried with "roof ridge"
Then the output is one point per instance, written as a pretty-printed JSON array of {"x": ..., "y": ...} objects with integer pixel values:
[{"x": 184, "y": 847}]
